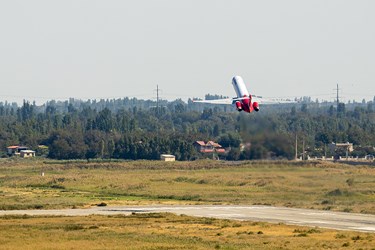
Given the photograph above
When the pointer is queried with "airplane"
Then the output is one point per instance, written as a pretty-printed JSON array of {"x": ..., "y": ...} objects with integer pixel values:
[{"x": 244, "y": 101}]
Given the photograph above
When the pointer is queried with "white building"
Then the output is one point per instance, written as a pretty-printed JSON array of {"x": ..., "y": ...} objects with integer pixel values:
[
  {"x": 166, "y": 157},
  {"x": 27, "y": 153}
]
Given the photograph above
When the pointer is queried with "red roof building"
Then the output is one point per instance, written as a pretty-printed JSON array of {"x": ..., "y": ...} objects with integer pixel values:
[
  {"x": 15, "y": 150},
  {"x": 209, "y": 147}
]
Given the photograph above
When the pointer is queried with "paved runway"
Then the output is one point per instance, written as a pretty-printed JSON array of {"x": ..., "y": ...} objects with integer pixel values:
[{"x": 291, "y": 216}]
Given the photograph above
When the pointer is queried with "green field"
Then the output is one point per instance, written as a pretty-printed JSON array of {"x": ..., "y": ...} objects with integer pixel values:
[
  {"x": 313, "y": 185},
  {"x": 72, "y": 184}
]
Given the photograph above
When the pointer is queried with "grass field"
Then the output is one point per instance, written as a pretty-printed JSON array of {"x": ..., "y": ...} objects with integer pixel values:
[
  {"x": 313, "y": 185},
  {"x": 70, "y": 184},
  {"x": 168, "y": 231}
]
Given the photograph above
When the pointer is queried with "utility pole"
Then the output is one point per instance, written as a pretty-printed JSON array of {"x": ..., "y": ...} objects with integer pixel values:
[
  {"x": 157, "y": 110},
  {"x": 337, "y": 96},
  {"x": 157, "y": 100},
  {"x": 347, "y": 153},
  {"x": 337, "y": 106},
  {"x": 296, "y": 151},
  {"x": 303, "y": 149},
  {"x": 325, "y": 151}
]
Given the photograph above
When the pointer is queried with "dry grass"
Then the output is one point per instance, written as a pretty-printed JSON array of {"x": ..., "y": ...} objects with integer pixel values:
[
  {"x": 75, "y": 184},
  {"x": 167, "y": 231},
  {"x": 306, "y": 185}
]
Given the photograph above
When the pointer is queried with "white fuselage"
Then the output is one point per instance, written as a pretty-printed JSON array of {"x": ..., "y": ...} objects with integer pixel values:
[{"x": 240, "y": 87}]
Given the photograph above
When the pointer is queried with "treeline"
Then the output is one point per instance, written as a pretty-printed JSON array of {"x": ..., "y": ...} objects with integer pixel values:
[{"x": 137, "y": 129}]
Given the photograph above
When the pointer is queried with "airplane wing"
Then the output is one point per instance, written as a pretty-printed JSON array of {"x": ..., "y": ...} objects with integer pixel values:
[
  {"x": 262, "y": 100},
  {"x": 216, "y": 101},
  {"x": 255, "y": 98}
]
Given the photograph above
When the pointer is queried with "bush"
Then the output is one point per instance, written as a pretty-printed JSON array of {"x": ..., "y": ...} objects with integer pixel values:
[{"x": 73, "y": 227}]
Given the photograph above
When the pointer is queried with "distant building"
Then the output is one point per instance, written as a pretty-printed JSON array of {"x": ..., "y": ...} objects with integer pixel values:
[
  {"x": 348, "y": 146},
  {"x": 166, "y": 157},
  {"x": 12, "y": 150},
  {"x": 42, "y": 150},
  {"x": 15, "y": 150},
  {"x": 27, "y": 153},
  {"x": 217, "y": 147},
  {"x": 209, "y": 147},
  {"x": 202, "y": 147}
]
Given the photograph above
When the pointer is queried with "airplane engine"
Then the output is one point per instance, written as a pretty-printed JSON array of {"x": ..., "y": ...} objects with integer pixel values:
[
  {"x": 256, "y": 106},
  {"x": 239, "y": 106}
]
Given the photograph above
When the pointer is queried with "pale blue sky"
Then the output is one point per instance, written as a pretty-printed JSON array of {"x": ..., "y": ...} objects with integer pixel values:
[{"x": 111, "y": 49}]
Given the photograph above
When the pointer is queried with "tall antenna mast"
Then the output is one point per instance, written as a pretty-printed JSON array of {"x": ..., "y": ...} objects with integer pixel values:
[
  {"x": 337, "y": 106},
  {"x": 337, "y": 95},
  {"x": 157, "y": 99}
]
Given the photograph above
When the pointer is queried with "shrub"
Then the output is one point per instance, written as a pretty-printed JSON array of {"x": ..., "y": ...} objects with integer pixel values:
[
  {"x": 336, "y": 192},
  {"x": 73, "y": 227},
  {"x": 350, "y": 182}
]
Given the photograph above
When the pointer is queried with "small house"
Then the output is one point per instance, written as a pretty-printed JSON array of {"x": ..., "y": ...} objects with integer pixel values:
[
  {"x": 12, "y": 150},
  {"x": 201, "y": 147},
  {"x": 208, "y": 147},
  {"x": 27, "y": 153},
  {"x": 15, "y": 150},
  {"x": 216, "y": 146},
  {"x": 166, "y": 157},
  {"x": 347, "y": 146}
]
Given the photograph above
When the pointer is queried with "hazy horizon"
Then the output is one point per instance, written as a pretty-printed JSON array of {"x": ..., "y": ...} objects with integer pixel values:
[{"x": 115, "y": 49}]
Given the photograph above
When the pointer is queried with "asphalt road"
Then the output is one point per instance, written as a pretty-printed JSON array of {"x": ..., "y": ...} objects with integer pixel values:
[{"x": 291, "y": 216}]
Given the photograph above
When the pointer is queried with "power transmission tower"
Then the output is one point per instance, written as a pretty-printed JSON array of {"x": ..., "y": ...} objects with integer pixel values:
[
  {"x": 157, "y": 110},
  {"x": 157, "y": 99},
  {"x": 337, "y": 106}
]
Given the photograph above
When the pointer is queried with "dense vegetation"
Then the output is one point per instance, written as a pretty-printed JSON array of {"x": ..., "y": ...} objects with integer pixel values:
[{"x": 138, "y": 129}]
